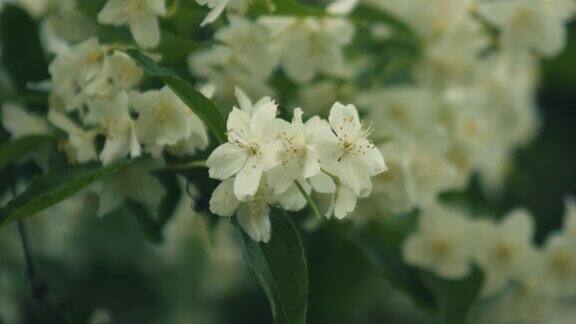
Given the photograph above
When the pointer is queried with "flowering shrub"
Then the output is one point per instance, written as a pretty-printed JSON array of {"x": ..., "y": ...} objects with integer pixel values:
[{"x": 285, "y": 119}]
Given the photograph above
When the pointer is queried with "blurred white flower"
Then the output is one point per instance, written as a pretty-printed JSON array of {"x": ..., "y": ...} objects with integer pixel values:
[
  {"x": 345, "y": 151},
  {"x": 441, "y": 244},
  {"x": 536, "y": 25},
  {"x": 503, "y": 249},
  {"x": 251, "y": 147},
  {"x": 124, "y": 73},
  {"x": 141, "y": 16},
  {"x": 560, "y": 265},
  {"x": 80, "y": 143},
  {"x": 569, "y": 228},
  {"x": 134, "y": 183},
  {"x": 164, "y": 120},
  {"x": 113, "y": 117},
  {"x": 307, "y": 46},
  {"x": 19, "y": 122}
]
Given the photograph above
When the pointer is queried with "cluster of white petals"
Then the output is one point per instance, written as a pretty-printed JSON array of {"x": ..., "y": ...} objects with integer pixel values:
[
  {"x": 449, "y": 243},
  {"x": 266, "y": 158}
]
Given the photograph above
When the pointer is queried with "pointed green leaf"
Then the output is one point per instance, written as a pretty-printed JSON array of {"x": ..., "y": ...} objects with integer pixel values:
[
  {"x": 49, "y": 189},
  {"x": 454, "y": 298},
  {"x": 19, "y": 147},
  {"x": 281, "y": 268},
  {"x": 203, "y": 107}
]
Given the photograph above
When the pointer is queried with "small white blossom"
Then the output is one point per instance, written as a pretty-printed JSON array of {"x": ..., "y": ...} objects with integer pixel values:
[
  {"x": 141, "y": 16},
  {"x": 133, "y": 183},
  {"x": 164, "y": 120},
  {"x": 253, "y": 214},
  {"x": 441, "y": 244},
  {"x": 560, "y": 265},
  {"x": 343, "y": 203},
  {"x": 298, "y": 158},
  {"x": 251, "y": 148},
  {"x": 503, "y": 249},
  {"x": 80, "y": 144},
  {"x": 114, "y": 119},
  {"x": 307, "y": 46},
  {"x": 19, "y": 122},
  {"x": 124, "y": 73},
  {"x": 345, "y": 151}
]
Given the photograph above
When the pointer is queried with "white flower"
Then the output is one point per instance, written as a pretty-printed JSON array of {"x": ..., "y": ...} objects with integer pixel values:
[
  {"x": 19, "y": 122},
  {"x": 503, "y": 249},
  {"x": 114, "y": 119},
  {"x": 165, "y": 120},
  {"x": 80, "y": 73},
  {"x": 39, "y": 8},
  {"x": 560, "y": 265},
  {"x": 345, "y": 151},
  {"x": 569, "y": 228},
  {"x": 250, "y": 150},
  {"x": 80, "y": 144},
  {"x": 124, "y": 73},
  {"x": 218, "y": 6},
  {"x": 536, "y": 25},
  {"x": 253, "y": 214},
  {"x": 441, "y": 244},
  {"x": 298, "y": 158},
  {"x": 141, "y": 16},
  {"x": 249, "y": 44},
  {"x": 133, "y": 183},
  {"x": 309, "y": 45}
]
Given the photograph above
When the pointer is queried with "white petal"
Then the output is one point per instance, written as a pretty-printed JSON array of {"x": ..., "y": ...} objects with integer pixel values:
[
  {"x": 115, "y": 149},
  {"x": 255, "y": 221},
  {"x": 214, "y": 13},
  {"x": 282, "y": 177},
  {"x": 243, "y": 100},
  {"x": 518, "y": 225},
  {"x": 310, "y": 165},
  {"x": 223, "y": 202},
  {"x": 113, "y": 13},
  {"x": 110, "y": 196},
  {"x": 146, "y": 31},
  {"x": 345, "y": 121},
  {"x": 342, "y": 7},
  {"x": 354, "y": 175},
  {"x": 345, "y": 202},
  {"x": 226, "y": 160},
  {"x": 238, "y": 125},
  {"x": 292, "y": 199},
  {"x": 322, "y": 183},
  {"x": 248, "y": 179}
]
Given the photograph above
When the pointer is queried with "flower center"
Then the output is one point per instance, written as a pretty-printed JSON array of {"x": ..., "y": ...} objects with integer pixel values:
[
  {"x": 441, "y": 247},
  {"x": 161, "y": 113}
]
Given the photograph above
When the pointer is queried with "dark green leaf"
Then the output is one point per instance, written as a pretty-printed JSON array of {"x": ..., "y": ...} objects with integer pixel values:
[
  {"x": 203, "y": 107},
  {"x": 17, "y": 148},
  {"x": 49, "y": 189},
  {"x": 454, "y": 298},
  {"x": 281, "y": 268},
  {"x": 22, "y": 54}
]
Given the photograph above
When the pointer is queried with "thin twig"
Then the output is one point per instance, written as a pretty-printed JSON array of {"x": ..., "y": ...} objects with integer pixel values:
[{"x": 39, "y": 289}]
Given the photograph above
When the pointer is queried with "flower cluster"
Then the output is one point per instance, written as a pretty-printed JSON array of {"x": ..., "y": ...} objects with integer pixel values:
[
  {"x": 266, "y": 158},
  {"x": 97, "y": 84},
  {"x": 448, "y": 244}
]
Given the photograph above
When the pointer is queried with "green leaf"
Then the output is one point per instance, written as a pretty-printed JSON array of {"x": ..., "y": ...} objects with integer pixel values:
[
  {"x": 19, "y": 147},
  {"x": 281, "y": 268},
  {"x": 454, "y": 298},
  {"x": 49, "y": 189},
  {"x": 203, "y": 107}
]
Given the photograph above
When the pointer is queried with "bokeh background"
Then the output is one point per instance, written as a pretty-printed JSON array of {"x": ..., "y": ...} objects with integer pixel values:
[{"x": 101, "y": 269}]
